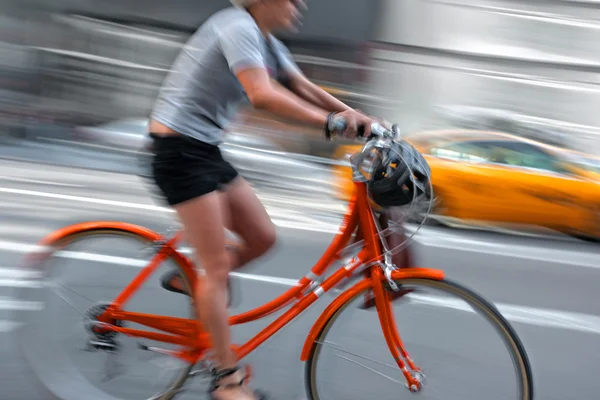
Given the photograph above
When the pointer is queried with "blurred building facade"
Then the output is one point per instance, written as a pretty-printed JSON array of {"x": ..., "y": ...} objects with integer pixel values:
[
  {"x": 524, "y": 66},
  {"x": 527, "y": 66},
  {"x": 89, "y": 62}
]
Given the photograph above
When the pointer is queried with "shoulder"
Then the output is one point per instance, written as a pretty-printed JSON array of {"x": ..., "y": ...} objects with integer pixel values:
[{"x": 233, "y": 21}]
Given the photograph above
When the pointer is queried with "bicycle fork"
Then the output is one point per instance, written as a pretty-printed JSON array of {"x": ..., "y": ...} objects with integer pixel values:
[{"x": 383, "y": 302}]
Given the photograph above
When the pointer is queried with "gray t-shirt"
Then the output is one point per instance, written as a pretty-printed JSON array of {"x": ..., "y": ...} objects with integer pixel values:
[{"x": 201, "y": 93}]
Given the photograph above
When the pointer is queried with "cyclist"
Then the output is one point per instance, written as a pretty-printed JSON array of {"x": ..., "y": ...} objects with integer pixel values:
[{"x": 231, "y": 58}]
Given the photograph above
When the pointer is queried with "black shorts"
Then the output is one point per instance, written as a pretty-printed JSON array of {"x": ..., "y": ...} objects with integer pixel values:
[{"x": 185, "y": 168}]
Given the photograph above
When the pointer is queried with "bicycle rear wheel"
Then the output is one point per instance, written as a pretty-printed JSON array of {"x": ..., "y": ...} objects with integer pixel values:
[
  {"x": 362, "y": 365},
  {"x": 96, "y": 265}
]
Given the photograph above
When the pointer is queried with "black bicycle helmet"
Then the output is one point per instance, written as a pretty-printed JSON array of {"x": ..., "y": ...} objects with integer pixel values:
[{"x": 392, "y": 184}]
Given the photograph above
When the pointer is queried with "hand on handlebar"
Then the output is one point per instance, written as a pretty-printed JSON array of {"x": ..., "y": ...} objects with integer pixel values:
[
  {"x": 352, "y": 123},
  {"x": 355, "y": 124}
]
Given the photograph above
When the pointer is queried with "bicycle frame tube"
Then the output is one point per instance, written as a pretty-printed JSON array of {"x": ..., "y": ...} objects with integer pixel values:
[
  {"x": 358, "y": 215},
  {"x": 304, "y": 293},
  {"x": 349, "y": 224},
  {"x": 339, "y": 242},
  {"x": 167, "y": 250}
]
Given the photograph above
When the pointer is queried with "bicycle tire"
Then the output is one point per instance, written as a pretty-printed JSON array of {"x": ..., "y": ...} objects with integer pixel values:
[
  {"x": 46, "y": 366},
  {"x": 517, "y": 352}
]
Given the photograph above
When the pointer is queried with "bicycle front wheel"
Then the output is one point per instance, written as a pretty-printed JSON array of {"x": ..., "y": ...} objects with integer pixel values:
[{"x": 459, "y": 344}]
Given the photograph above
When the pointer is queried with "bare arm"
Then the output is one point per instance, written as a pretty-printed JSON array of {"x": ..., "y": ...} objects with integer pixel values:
[
  {"x": 242, "y": 46},
  {"x": 316, "y": 95},
  {"x": 278, "y": 100}
]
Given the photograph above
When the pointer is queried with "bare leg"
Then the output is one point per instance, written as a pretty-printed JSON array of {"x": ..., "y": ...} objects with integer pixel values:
[
  {"x": 204, "y": 221},
  {"x": 249, "y": 219}
]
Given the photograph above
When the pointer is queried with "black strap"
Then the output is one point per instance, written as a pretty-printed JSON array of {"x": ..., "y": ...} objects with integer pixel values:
[{"x": 218, "y": 375}]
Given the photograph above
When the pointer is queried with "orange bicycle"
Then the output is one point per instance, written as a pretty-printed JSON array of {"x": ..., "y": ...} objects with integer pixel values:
[{"x": 178, "y": 346}]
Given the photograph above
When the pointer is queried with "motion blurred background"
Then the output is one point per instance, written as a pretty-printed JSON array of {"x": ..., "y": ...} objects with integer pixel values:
[
  {"x": 84, "y": 74},
  {"x": 526, "y": 67},
  {"x": 502, "y": 96}
]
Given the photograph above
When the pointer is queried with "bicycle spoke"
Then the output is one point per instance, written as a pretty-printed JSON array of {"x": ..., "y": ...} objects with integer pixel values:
[
  {"x": 77, "y": 293},
  {"x": 359, "y": 356},
  {"x": 374, "y": 371},
  {"x": 338, "y": 349},
  {"x": 68, "y": 302}
]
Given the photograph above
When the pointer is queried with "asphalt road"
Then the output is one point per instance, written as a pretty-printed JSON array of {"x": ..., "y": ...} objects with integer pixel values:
[{"x": 546, "y": 287}]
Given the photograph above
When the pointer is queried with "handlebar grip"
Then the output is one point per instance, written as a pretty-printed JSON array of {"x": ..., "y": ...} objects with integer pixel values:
[
  {"x": 378, "y": 130},
  {"x": 339, "y": 124}
]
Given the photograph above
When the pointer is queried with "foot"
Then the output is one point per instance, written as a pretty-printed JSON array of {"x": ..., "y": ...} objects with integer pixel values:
[
  {"x": 228, "y": 384},
  {"x": 172, "y": 282}
]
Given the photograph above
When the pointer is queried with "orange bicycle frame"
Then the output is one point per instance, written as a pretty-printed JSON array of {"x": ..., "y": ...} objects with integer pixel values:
[{"x": 189, "y": 333}]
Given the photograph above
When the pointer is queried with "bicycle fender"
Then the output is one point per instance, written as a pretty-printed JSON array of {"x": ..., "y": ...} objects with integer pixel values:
[
  {"x": 338, "y": 303},
  {"x": 83, "y": 227},
  {"x": 47, "y": 242},
  {"x": 329, "y": 312}
]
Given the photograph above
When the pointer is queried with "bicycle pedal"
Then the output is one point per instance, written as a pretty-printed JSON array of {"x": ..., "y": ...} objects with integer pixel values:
[
  {"x": 108, "y": 345},
  {"x": 199, "y": 373},
  {"x": 158, "y": 350}
]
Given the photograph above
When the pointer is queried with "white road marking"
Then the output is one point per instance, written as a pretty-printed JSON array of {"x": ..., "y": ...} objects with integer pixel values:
[
  {"x": 19, "y": 247},
  {"x": 514, "y": 313},
  {"x": 19, "y": 283},
  {"x": 427, "y": 237},
  {"x": 29, "y": 180},
  {"x": 82, "y": 199},
  {"x": 523, "y": 314},
  {"x": 16, "y": 273},
  {"x": 431, "y": 238},
  {"x": 11, "y": 304},
  {"x": 8, "y": 326},
  {"x": 129, "y": 262},
  {"x": 303, "y": 223}
]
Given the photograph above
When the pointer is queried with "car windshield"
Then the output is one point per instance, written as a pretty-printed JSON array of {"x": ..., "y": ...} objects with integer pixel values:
[{"x": 504, "y": 152}]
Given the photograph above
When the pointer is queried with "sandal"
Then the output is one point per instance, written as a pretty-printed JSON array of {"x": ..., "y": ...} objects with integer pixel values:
[
  {"x": 218, "y": 375},
  {"x": 168, "y": 277}
]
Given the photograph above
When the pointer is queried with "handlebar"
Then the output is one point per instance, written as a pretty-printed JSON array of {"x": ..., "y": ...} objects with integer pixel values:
[
  {"x": 385, "y": 140},
  {"x": 338, "y": 124}
]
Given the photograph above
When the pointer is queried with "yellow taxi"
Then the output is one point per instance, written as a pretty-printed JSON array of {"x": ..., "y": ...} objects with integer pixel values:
[{"x": 486, "y": 177}]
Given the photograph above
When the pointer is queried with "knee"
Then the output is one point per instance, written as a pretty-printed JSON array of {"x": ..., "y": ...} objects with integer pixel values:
[
  {"x": 266, "y": 240},
  {"x": 216, "y": 271}
]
